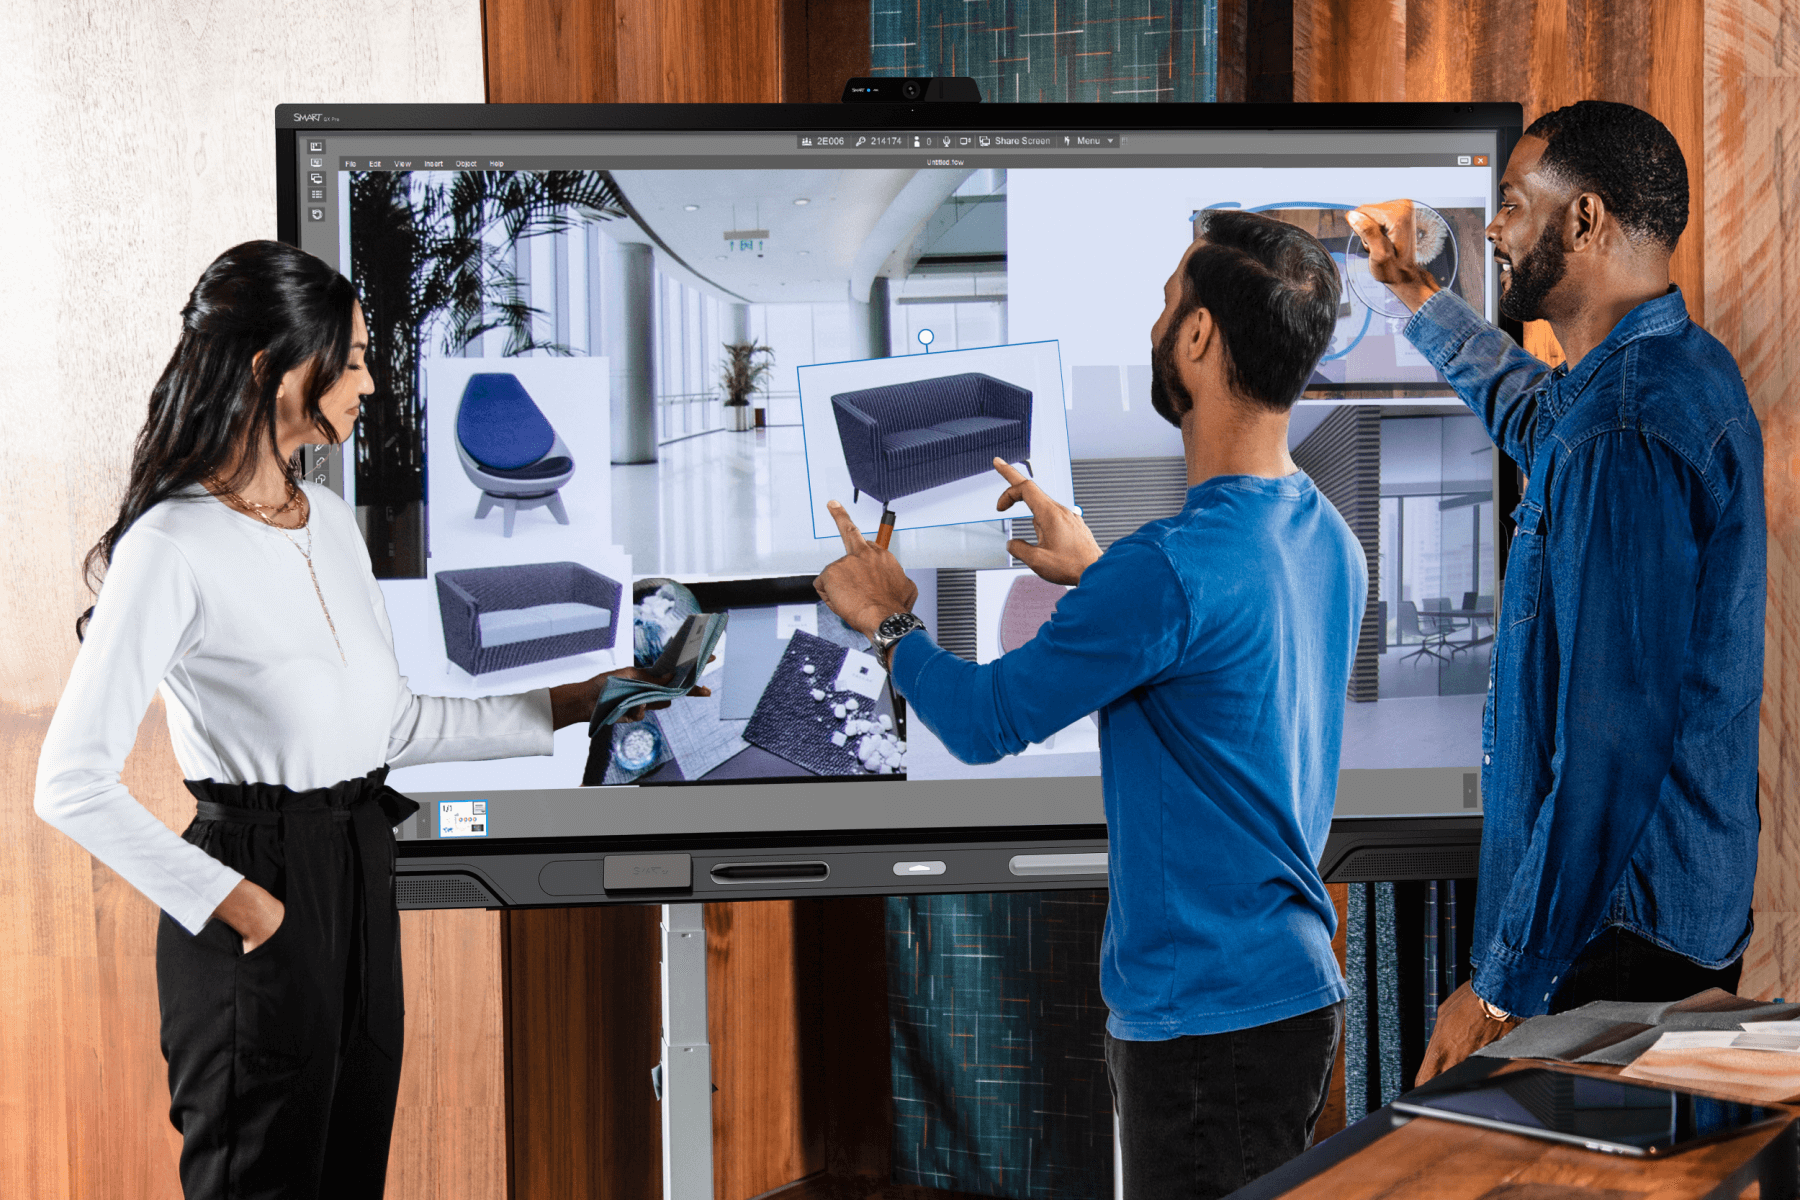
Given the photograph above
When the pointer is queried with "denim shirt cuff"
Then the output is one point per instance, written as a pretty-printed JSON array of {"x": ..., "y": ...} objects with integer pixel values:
[
  {"x": 1442, "y": 326},
  {"x": 1518, "y": 982}
]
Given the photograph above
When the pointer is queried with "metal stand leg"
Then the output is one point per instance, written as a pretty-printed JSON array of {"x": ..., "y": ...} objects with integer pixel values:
[
  {"x": 1118, "y": 1162},
  {"x": 687, "y": 1161}
]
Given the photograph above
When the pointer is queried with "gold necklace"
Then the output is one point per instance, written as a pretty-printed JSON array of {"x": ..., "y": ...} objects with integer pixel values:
[{"x": 258, "y": 511}]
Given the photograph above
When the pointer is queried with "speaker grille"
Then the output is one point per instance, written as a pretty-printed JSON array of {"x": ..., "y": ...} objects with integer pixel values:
[
  {"x": 442, "y": 891},
  {"x": 1372, "y": 865}
]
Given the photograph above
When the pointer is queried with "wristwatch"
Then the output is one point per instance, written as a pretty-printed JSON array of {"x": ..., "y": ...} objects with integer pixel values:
[
  {"x": 891, "y": 630},
  {"x": 1492, "y": 1013}
]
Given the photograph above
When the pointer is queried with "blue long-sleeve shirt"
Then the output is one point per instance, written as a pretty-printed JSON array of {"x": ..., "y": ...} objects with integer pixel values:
[
  {"x": 1216, "y": 646},
  {"x": 1619, "y": 745}
]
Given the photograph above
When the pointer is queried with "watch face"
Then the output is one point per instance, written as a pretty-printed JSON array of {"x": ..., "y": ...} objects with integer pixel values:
[{"x": 898, "y": 625}]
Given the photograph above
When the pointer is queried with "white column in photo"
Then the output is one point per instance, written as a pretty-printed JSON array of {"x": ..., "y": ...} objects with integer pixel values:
[
  {"x": 627, "y": 306},
  {"x": 544, "y": 285}
]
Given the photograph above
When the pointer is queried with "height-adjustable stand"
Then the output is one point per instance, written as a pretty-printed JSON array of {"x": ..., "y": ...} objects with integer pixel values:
[{"x": 686, "y": 1070}]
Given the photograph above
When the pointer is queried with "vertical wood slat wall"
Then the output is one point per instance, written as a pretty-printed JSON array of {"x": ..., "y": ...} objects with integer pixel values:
[{"x": 1750, "y": 81}]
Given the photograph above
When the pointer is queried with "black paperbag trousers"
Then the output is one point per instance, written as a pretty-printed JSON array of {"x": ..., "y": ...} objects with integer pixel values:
[{"x": 284, "y": 1063}]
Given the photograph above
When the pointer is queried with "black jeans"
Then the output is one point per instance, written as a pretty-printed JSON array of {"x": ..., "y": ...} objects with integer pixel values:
[
  {"x": 1200, "y": 1117},
  {"x": 284, "y": 1063},
  {"x": 1620, "y": 965}
]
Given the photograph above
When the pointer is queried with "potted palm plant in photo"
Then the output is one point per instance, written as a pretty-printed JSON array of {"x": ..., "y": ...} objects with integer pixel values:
[{"x": 745, "y": 366}]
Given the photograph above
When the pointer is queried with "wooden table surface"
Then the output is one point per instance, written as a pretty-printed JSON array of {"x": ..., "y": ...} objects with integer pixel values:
[{"x": 1446, "y": 1161}]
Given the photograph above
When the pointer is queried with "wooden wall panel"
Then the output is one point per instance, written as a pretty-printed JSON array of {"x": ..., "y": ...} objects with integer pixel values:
[
  {"x": 84, "y": 1097},
  {"x": 825, "y": 44},
  {"x": 1752, "y": 112},
  {"x": 552, "y": 53},
  {"x": 763, "y": 1006},
  {"x": 1350, "y": 50},
  {"x": 450, "y": 1126},
  {"x": 1332, "y": 1119},
  {"x": 584, "y": 1017},
  {"x": 673, "y": 51}
]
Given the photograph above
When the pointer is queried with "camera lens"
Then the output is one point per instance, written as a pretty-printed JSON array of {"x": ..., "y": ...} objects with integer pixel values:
[{"x": 912, "y": 89}]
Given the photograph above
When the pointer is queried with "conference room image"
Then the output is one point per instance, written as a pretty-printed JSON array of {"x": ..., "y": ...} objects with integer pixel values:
[{"x": 1415, "y": 482}]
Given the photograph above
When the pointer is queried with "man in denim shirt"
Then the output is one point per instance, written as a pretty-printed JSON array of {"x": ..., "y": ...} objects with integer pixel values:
[{"x": 1619, "y": 747}]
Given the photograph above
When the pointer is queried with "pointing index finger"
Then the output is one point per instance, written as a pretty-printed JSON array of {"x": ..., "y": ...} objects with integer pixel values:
[
  {"x": 1021, "y": 489},
  {"x": 1008, "y": 472},
  {"x": 854, "y": 542}
]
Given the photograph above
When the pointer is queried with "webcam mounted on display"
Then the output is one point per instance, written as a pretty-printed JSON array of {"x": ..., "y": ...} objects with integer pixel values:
[{"x": 953, "y": 89}]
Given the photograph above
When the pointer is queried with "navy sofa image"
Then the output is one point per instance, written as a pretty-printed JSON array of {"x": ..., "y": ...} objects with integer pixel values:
[
  {"x": 907, "y": 437},
  {"x": 499, "y": 617},
  {"x": 509, "y": 450}
]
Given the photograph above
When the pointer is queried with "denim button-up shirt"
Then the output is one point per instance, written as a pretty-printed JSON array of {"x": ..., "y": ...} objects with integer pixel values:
[{"x": 1620, "y": 738}]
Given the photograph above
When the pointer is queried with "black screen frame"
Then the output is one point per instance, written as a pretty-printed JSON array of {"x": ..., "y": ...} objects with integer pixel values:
[{"x": 514, "y": 872}]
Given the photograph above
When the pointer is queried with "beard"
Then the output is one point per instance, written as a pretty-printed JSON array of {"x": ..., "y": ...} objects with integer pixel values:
[
  {"x": 1534, "y": 276},
  {"x": 1168, "y": 395}
]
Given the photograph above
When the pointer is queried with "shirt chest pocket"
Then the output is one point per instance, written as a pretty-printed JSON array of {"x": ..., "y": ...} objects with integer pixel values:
[{"x": 1524, "y": 583}]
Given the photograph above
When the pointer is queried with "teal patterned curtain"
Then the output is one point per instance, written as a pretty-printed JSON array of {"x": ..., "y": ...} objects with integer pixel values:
[
  {"x": 1041, "y": 51},
  {"x": 999, "y": 1069},
  {"x": 999, "y": 1079}
]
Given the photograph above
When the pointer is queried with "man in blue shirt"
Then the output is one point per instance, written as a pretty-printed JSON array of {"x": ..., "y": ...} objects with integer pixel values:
[
  {"x": 1217, "y": 646},
  {"x": 1619, "y": 746}
]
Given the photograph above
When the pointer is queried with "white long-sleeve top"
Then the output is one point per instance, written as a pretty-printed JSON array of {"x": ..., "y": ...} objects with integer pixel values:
[{"x": 218, "y": 611}]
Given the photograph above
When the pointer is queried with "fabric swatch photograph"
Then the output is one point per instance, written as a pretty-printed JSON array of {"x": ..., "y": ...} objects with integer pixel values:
[{"x": 795, "y": 694}]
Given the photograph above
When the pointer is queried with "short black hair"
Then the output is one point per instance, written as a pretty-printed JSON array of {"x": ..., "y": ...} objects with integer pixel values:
[
  {"x": 1273, "y": 291},
  {"x": 1626, "y": 157}
]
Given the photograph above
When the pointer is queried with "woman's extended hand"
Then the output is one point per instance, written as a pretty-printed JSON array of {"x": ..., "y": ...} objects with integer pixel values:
[
  {"x": 573, "y": 703},
  {"x": 252, "y": 912}
]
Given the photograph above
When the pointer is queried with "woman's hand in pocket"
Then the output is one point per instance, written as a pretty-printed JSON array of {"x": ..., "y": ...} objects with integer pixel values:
[{"x": 253, "y": 912}]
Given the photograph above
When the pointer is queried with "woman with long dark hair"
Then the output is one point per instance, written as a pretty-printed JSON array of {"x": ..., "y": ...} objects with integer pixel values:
[{"x": 246, "y": 597}]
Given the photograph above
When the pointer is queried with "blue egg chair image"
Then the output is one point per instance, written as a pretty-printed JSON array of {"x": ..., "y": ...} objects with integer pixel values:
[{"x": 509, "y": 450}]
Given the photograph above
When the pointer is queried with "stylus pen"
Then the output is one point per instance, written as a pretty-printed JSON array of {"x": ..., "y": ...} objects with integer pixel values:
[{"x": 886, "y": 530}]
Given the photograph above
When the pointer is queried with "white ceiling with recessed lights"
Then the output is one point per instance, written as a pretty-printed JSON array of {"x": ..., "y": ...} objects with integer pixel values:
[{"x": 813, "y": 250}]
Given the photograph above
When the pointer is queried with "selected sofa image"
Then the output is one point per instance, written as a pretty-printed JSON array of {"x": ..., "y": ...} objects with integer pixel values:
[
  {"x": 509, "y": 450},
  {"x": 906, "y": 437},
  {"x": 499, "y": 617}
]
